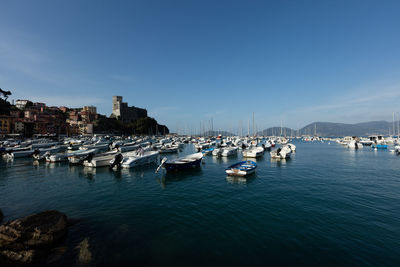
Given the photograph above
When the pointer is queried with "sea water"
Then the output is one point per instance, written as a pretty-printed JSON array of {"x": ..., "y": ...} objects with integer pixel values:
[{"x": 326, "y": 205}]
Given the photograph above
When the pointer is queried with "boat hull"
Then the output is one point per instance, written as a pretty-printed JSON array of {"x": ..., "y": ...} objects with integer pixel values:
[
  {"x": 184, "y": 166},
  {"x": 131, "y": 162}
]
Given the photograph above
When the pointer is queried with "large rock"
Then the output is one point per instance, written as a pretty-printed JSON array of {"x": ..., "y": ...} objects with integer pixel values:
[
  {"x": 84, "y": 255},
  {"x": 23, "y": 240}
]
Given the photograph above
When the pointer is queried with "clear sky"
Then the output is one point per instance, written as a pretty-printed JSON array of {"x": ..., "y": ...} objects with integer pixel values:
[{"x": 190, "y": 61}]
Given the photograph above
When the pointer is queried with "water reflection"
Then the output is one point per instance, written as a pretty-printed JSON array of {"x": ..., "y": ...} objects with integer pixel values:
[
  {"x": 171, "y": 177},
  {"x": 240, "y": 180},
  {"x": 117, "y": 174},
  {"x": 89, "y": 173},
  {"x": 279, "y": 162}
]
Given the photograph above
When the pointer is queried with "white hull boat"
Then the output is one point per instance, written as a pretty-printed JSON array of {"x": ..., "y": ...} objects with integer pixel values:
[
  {"x": 139, "y": 159},
  {"x": 225, "y": 151},
  {"x": 64, "y": 156},
  {"x": 280, "y": 153},
  {"x": 254, "y": 152},
  {"x": 100, "y": 160}
]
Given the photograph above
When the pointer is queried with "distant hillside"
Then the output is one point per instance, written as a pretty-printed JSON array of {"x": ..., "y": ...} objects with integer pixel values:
[
  {"x": 276, "y": 131},
  {"x": 336, "y": 129},
  {"x": 343, "y": 129}
]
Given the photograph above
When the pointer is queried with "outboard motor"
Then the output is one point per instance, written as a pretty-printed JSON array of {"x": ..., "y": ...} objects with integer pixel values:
[
  {"x": 110, "y": 146},
  {"x": 88, "y": 158},
  {"x": 243, "y": 146},
  {"x": 278, "y": 151},
  {"x": 356, "y": 145},
  {"x": 263, "y": 146},
  {"x": 117, "y": 161}
]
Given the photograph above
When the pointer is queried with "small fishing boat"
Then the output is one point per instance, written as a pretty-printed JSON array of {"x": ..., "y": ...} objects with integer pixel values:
[
  {"x": 380, "y": 146},
  {"x": 242, "y": 168},
  {"x": 207, "y": 151},
  {"x": 187, "y": 162}
]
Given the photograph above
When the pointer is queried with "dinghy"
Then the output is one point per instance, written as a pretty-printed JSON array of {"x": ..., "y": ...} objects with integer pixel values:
[{"x": 242, "y": 168}]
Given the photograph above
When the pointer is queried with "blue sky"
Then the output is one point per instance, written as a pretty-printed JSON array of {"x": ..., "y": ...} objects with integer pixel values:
[{"x": 190, "y": 61}]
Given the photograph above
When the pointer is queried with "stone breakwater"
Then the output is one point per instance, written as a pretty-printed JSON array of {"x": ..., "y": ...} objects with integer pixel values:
[{"x": 31, "y": 238}]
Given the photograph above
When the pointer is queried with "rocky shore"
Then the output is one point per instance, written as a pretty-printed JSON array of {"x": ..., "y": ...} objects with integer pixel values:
[{"x": 30, "y": 239}]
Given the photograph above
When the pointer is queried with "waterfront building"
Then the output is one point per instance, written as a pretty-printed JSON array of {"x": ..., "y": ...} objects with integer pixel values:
[
  {"x": 21, "y": 104},
  {"x": 122, "y": 111},
  {"x": 19, "y": 126},
  {"x": 5, "y": 124}
]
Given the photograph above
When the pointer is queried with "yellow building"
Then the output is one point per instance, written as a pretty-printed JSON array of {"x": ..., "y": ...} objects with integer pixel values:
[{"x": 5, "y": 124}]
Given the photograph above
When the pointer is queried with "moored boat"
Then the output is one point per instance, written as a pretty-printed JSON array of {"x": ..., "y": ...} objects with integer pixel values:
[
  {"x": 253, "y": 152},
  {"x": 139, "y": 158},
  {"x": 242, "y": 168},
  {"x": 187, "y": 162}
]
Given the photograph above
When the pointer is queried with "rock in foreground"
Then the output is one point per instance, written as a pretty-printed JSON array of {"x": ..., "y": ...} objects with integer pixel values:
[
  {"x": 84, "y": 255},
  {"x": 28, "y": 239}
]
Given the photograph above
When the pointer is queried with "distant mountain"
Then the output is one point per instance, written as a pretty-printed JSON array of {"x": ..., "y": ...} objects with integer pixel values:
[
  {"x": 276, "y": 131},
  {"x": 343, "y": 129},
  {"x": 337, "y": 129}
]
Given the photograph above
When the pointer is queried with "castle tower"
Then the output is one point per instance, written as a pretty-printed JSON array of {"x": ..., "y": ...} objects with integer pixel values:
[{"x": 116, "y": 108}]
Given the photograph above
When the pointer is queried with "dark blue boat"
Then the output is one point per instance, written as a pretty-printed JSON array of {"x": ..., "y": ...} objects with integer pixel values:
[{"x": 188, "y": 162}]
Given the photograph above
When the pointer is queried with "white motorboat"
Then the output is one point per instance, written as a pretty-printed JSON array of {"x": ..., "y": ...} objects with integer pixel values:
[
  {"x": 100, "y": 160},
  {"x": 79, "y": 158},
  {"x": 281, "y": 153},
  {"x": 168, "y": 148},
  {"x": 39, "y": 153},
  {"x": 138, "y": 158},
  {"x": 18, "y": 153},
  {"x": 253, "y": 152},
  {"x": 99, "y": 146},
  {"x": 44, "y": 145},
  {"x": 225, "y": 151},
  {"x": 354, "y": 144},
  {"x": 59, "y": 157}
]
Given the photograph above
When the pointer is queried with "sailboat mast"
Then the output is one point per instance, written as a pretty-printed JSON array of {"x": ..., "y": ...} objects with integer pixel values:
[
  {"x": 394, "y": 129},
  {"x": 253, "y": 125}
]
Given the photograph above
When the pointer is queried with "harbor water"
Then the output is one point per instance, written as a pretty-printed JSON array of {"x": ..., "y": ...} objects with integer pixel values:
[{"x": 326, "y": 205}]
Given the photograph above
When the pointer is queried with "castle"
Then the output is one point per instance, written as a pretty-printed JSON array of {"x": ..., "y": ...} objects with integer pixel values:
[{"x": 123, "y": 112}]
